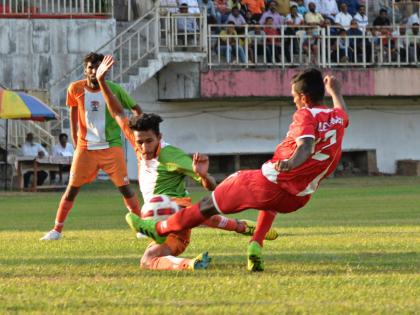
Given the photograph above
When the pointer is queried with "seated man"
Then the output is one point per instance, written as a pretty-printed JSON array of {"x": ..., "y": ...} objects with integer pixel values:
[
  {"x": 162, "y": 170},
  {"x": 35, "y": 150},
  {"x": 231, "y": 44},
  {"x": 313, "y": 17},
  {"x": 187, "y": 27},
  {"x": 343, "y": 18},
  {"x": 62, "y": 149}
]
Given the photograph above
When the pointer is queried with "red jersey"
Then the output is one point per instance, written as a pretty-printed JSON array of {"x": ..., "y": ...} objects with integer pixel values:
[{"x": 326, "y": 126}]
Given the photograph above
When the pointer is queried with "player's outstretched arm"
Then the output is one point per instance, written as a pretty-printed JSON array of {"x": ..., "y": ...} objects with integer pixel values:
[
  {"x": 333, "y": 87},
  {"x": 114, "y": 105},
  {"x": 201, "y": 167}
]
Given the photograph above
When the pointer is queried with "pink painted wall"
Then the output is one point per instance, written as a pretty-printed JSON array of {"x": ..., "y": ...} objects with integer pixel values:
[{"x": 276, "y": 82}]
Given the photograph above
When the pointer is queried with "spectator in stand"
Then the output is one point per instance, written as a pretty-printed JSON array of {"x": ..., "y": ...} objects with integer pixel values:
[
  {"x": 382, "y": 19},
  {"x": 302, "y": 9},
  {"x": 192, "y": 5},
  {"x": 272, "y": 13},
  {"x": 35, "y": 150},
  {"x": 361, "y": 18},
  {"x": 185, "y": 24},
  {"x": 237, "y": 3},
  {"x": 316, "y": 2},
  {"x": 272, "y": 40},
  {"x": 208, "y": 6},
  {"x": 282, "y": 6},
  {"x": 352, "y": 5},
  {"x": 231, "y": 44},
  {"x": 312, "y": 17},
  {"x": 63, "y": 148},
  {"x": 256, "y": 7},
  {"x": 294, "y": 18},
  {"x": 414, "y": 39},
  {"x": 356, "y": 42},
  {"x": 222, "y": 10},
  {"x": 236, "y": 17},
  {"x": 256, "y": 44},
  {"x": 250, "y": 18},
  {"x": 329, "y": 9},
  {"x": 341, "y": 50},
  {"x": 413, "y": 19},
  {"x": 343, "y": 18},
  {"x": 402, "y": 43},
  {"x": 186, "y": 27},
  {"x": 310, "y": 45},
  {"x": 333, "y": 28}
]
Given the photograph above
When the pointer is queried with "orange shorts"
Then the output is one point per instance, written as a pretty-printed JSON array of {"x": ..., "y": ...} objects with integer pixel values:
[
  {"x": 178, "y": 242},
  {"x": 87, "y": 163}
]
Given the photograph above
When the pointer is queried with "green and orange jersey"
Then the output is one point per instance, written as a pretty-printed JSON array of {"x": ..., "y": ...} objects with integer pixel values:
[
  {"x": 97, "y": 129},
  {"x": 165, "y": 174}
]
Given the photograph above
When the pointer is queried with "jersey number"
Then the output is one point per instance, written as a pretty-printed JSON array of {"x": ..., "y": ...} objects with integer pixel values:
[{"x": 330, "y": 136}]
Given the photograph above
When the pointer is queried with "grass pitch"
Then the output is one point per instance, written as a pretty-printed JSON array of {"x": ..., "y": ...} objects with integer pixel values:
[{"x": 355, "y": 248}]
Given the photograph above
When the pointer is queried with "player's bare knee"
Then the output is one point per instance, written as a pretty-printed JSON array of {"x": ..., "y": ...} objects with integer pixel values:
[
  {"x": 207, "y": 207},
  {"x": 126, "y": 191},
  {"x": 145, "y": 261},
  {"x": 71, "y": 193}
]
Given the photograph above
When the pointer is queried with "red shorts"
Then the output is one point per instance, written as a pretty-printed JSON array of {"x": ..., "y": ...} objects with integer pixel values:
[{"x": 251, "y": 190}]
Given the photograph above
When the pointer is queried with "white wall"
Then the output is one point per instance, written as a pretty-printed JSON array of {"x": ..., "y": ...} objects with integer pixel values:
[
  {"x": 243, "y": 126},
  {"x": 35, "y": 52}
]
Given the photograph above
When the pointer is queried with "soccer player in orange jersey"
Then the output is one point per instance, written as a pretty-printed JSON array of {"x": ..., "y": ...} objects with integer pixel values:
[
  {"x": 309, "y": 153},
  {"x": 162, "y": 170},
  {"x": 97, "y": 138}
]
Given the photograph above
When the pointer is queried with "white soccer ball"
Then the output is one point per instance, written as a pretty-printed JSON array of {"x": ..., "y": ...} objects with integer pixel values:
[{"x": 159, "y": 208}]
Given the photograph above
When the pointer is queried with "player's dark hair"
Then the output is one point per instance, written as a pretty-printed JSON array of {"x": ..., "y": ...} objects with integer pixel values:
[
  {"x": 93, "y": 58},
  {"x": 310, "y": 83},
  {"x": 146, "y": 122}
]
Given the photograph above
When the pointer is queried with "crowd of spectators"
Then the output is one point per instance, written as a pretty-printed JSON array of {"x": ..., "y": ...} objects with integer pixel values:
[{"x": 340, "y": 18}]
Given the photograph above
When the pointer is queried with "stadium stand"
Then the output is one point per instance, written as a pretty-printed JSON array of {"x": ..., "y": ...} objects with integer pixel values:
[{"x": 326, "y": 33}]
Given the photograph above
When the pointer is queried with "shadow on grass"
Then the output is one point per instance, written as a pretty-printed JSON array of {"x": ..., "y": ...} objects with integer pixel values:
[{"x": 310, "y": 263}]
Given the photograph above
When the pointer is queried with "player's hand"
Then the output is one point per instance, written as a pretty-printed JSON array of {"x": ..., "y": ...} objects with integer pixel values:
[
  {"x": 200, "y": 164},
  {"x": 282, "y": 166},
  {"x": 104, "y": 67},
  {"x": 332, "y": 85}
]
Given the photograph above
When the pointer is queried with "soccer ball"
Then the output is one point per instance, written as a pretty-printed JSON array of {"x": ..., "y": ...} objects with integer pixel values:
[{"x": 159, "y": 208}]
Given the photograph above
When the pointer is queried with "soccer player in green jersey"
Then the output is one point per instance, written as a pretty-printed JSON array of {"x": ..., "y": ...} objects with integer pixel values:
[{"x": 162, "y": 170}]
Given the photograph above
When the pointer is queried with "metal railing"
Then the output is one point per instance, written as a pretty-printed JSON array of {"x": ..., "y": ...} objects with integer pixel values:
[
  {"x": 288, "y": 46},
  {"x": 68, "y": 8},
  {"x": 18, "y": 130},
  {"x": 133, "y": 48},
  {"x": 183, "y": 31}
]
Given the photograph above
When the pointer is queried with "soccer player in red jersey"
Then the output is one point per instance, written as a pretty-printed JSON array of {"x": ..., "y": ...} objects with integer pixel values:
[{"x": 309, "y": 153}]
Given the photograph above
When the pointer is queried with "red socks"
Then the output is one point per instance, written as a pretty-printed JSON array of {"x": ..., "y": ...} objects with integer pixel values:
[
  {"x": 184, "y": 219},
  {"x": 62, "y": 212},
  {"x": 132, "y": 204},
  {"x": 221, "y": 222},
  {"x": 264, "y": 222}
]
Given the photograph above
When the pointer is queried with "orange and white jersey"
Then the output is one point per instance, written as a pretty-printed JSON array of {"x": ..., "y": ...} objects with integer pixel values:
[{"x": 97, "y": 129}]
